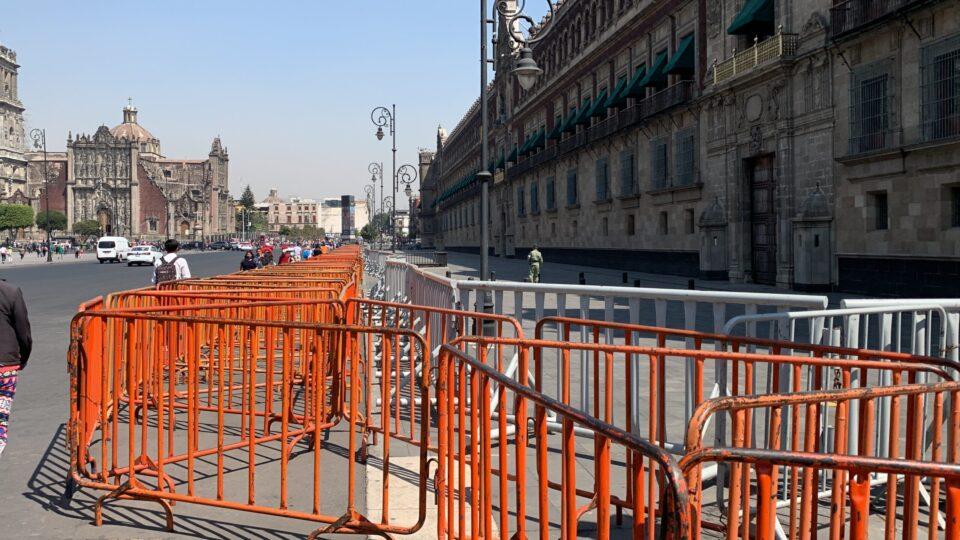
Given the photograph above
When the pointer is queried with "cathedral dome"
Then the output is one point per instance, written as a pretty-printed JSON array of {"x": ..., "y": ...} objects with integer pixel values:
[{"x": 130, "y": 129}]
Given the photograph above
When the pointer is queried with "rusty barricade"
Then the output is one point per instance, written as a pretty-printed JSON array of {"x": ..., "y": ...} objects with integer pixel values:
[
  {"x": 907, "y": 488},
  {"x": 166, "y": 390},
  {"x": 394, "y": 367},
  {"x": 482, "y": 476}
]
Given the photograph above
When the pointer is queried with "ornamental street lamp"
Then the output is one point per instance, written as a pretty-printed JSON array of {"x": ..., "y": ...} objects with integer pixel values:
[
  {"x": 39, "y": 137},
  {"x": 526, "y": 71}
]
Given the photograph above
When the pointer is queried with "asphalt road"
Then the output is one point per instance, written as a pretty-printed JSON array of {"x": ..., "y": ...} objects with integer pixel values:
[{"x": 34, "y": 464}]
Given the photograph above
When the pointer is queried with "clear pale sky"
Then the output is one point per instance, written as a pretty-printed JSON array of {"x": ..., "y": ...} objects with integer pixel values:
[{"x": 288, "y": 85}]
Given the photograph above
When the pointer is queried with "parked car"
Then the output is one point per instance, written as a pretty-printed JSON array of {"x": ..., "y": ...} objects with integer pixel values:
[
  {"x": 245, "y": 246},
  {"x": 113, "y": 249},
  {"x": 218, "y": 245},
  {"x": 143, "y": 255},
  {"x": 191, "y": 245}
]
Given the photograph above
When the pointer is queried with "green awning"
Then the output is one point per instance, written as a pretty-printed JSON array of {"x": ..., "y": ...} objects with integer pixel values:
[
  {"x": 656, "y": 75},
  {"x": 584, "y": 115},
  {"x": 599, "y": 105},
  {"x": 526, "y": 145},
  {"x": 513, "y": 155},
  {"x": 633, "y": 88},
  {"x": 570, "y": 121},
  {"x": 682, "y": 61},
  {"x": 756, "y": 17},
  {"x": 500, "y": 163},
  {"x": 539, "y": 139},
  {"x": 614, "y": 98},
  {"x": 557, "y": 129}
]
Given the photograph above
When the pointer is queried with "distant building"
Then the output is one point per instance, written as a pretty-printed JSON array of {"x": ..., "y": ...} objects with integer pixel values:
[
  {"x": 326, "y": 214},
  {"x": 13, "y": 162}
]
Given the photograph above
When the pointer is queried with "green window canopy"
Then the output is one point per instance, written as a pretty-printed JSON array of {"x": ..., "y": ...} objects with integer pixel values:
[
  {"x": 584, "y": 115},
  {"x": 513, "y": 155},
  {"x": 756, "y": 17},
  {"x": 614, "y": 98},
  {"x": 598, "y": 109},
  {"x": 570, "y": 121},
  {"x": 656, "y": 75},
  {"x": 500, "y": 163},
  {"x": 682, "y": 61},
  {"x": 539, "y": 139},
  {"x": 633, "y": 88},
  {"x": 557, "y": 129}
]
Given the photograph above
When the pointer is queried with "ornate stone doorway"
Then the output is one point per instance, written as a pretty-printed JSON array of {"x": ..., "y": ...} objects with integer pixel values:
[
  {"x": 184, "y": 228},
  {"x": 105, "y": 219},
  {"x": 763, "y": 219}
]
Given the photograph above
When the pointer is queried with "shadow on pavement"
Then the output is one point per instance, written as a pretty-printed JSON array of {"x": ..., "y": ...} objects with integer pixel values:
[{"x": 46, "y": 488}]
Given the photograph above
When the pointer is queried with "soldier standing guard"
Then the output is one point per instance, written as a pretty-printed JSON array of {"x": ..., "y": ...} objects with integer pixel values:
[{"x": 536, "y": 260}]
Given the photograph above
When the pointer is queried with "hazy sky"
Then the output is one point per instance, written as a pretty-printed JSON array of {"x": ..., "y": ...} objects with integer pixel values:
[{"x": 288, "y": 85}]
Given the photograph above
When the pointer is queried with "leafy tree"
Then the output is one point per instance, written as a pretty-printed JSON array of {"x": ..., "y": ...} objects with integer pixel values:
[
  {"x": 16, "y": 216},
  {"x": 285, "y": 231},
  {"x": 247, "y": 200},
  {"x": 311, "y": 232},
  {"x": 87, "y": 228},
  {"x": 367, "y": 233},
  {"x": 51, "y": 221}
]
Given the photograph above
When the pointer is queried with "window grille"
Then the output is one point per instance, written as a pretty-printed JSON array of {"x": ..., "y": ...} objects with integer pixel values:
[
  {"x": 871, "y": 92},
  {"x": 628, "y": 184},
  {"x": 658, "y": 156},
  {"x": 572, "y": 190},
  {"x": 534, "y": 198},
  {"x": 941, "y": 89},
  {"x": 685, "y": 158},
  {"x": 520, "y": 207},
  {"x": 551, "y": 194},
  {"x": 603, "y": 180}
]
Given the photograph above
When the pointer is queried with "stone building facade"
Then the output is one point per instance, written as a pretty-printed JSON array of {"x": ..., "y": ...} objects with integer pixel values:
[
  {"x": 326, "y": 214},
  {"x": 120, "y": 178},
  {"x": 713, "y": 138},
  {"x": 13, "y": 165}
]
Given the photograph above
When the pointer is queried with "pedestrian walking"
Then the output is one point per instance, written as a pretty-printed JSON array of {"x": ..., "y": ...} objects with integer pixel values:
[
  {"x": 170, "y": 267},
  {"x": 23, "y": 252},
  {"x": 536, "y": 260},
  {"x": 249, "y": 262},
  {"x": 3, "y": 254},
  {"x": 15, "y": 346}
]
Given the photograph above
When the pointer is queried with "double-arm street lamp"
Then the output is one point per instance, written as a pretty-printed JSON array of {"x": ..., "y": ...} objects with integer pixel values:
[
  {"x": 526, "y": 71},
  {"x": 39, "y": 137},
  {"x": 383, "y": 117}
]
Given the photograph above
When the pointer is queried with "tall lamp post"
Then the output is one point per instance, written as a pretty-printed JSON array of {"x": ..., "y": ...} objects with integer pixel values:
[
  {"x": 376, "y": 171},
  {"x": 406, "y": 175},
  {"x": 387, "y": 118},
  {"x": 39, "y": 137},
  {"x": 527, "y": 72},
  {"x": 409, "y": 193},
  {"x": 388, "y": 209}
]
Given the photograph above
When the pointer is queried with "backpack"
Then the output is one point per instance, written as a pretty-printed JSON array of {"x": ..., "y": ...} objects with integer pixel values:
[{"x": 167, "y": 271}]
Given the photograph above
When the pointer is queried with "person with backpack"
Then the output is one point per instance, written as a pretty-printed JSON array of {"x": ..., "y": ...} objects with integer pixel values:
[{"x": 171, "y": 266}]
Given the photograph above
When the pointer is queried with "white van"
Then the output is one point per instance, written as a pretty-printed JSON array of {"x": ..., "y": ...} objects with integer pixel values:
[{"x": 112, "y": 248}]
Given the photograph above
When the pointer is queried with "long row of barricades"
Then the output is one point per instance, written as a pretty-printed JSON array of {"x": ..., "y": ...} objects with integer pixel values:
[{"x": 216, "y": 391}]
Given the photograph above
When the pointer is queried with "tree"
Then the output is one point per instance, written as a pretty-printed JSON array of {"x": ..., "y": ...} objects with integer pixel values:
[
  {"x": 247, "y": 200},
  {"x": 285, "y": 231},
  {"x": 16, "y": 216},
  {"x": 311, "y": 232},
  {"x": 51, "y": 221},
  {"x": 367, "y": 233},
  {"x": 87, "y": 228}
]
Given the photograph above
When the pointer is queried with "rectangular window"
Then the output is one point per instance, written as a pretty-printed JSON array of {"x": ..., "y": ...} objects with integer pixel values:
[
  {"x": 880, "y": 211},
  {"x": 685, "y": 158},
  {"x": 520, "y": 207},
  {"x": 658, "y": 164},
  {"x": 871, "y": 92},
  {"x": 572, "y": 190},
  {"x": 628, "y": 184},
  {"x": 663, "y": 225},
  {"x": 940, "y": 80},
  {"x": 603, "y": 180},
  {"x": 551, "y": 194},
  {"x": 535, "y": 198},
  {"x": 688, "y": 221},
  {"x": 955, "y": 207},
  {"x": 631, "y": 225}
]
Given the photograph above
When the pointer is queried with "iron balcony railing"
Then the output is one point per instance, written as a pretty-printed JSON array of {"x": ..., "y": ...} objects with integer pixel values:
[
  {"x": 669, "y": 97},
  {"x": 781, "y": 45},
  {"x": 851, "y": 15}
]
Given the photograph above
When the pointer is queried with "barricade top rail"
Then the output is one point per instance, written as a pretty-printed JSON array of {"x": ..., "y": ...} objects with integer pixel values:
[
  {"x": 443, "y": 311},
  {"x": 726, "y": 403},
  {"x": 846, "y": 312}
]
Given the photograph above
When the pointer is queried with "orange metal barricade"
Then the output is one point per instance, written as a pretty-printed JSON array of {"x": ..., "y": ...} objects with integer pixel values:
[
  {"x": 848, "y": 476},
  {"x": 478, "y": 496}
]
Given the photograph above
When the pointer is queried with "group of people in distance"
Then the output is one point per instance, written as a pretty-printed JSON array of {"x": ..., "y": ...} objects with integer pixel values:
[{"x": 263, "y": 255}]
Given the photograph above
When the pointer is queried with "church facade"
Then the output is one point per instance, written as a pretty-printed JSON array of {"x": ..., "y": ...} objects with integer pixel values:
[{"x": 120, "y": 178}]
